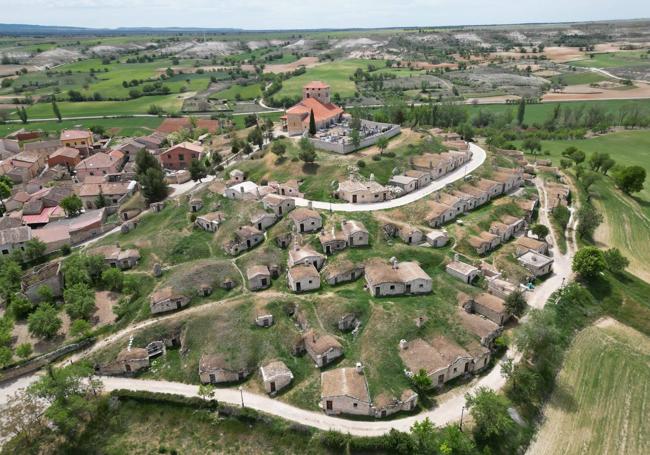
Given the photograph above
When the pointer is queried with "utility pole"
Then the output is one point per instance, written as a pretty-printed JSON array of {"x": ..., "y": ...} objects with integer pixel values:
[
  {"x": 241, "y": 393},
  {"x": 462, "y": 412}
]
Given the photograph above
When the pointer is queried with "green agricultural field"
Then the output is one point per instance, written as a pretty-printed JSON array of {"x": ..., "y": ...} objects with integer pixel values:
[
  {"x": 239, "y": 92},
  {"x": 575, "y": 78},
  {"x": 170, "y": 103},
  {"x": 627, "y": 219},
  {"x": 615, "y": 60},
  {"x": 601, "y": 400},
  {"x": 127, "y": 126}
]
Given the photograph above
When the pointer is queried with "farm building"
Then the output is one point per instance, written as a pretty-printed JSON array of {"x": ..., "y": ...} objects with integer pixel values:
[
  {"x": 437, "y": 239},
  {"x": 342, "y": 272},
  {"x": 358, "y": 192},
  {"x": 302, "y": 278},
  {"x": 306, "y": 220},
  {"x": 280, "y": 205},
  {"x": 410, "y": 234},
  {"x": 332, "y": 240},
  {"x": 405, "y": 183},
  {"x": 130, "y": 360},
  {"x": 263, "y": 220},
  {"x": 115, "y": 256},
  {"x": 216, "y": 368},
  {"x": 484, "y": 242},
  {"x": 345, "y": 391},
  {"x": 492, "y": 188},
  {"x": 486, "y": 330},
  {"x": 384, "y": 404},
  {"x": 323, "y": 349},
  {"x": 210, "y": 221},
  {"x": 488, "y": 305},
  {"x": 299, "y": 255},
  {"x": 356, "y": 233},
  {"x": 480, "y": 196},
  {"x": 439, "y": 214},
  {"x": 385, "y": 279},
  {"x": 464, "y": 272},
  {"x": 535, "y": 263},
  {"x": 525, "y": 244},
  {"x": 501, "y": 288},
  {"x": 166, "y": 299},
  {"x": 259, "y": 277},
  {"x": 275, "y": 376},
  {"x": 423, "y": 178}
]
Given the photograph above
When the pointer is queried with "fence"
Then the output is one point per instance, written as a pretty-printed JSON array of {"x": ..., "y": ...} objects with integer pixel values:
[{"x": 344, "y": 149}]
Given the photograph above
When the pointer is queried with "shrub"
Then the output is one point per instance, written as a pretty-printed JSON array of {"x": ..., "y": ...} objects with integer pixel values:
[{"x": 361, "y": 164}]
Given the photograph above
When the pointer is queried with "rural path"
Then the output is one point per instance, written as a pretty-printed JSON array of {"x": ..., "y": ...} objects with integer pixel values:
[{"x": 478, "y": 158}]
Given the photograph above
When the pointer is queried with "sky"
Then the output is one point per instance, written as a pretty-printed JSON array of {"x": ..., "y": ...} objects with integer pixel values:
[{"x": 309, "y": 14}]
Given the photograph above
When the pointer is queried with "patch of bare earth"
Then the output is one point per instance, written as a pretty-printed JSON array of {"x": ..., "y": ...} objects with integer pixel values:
[
  {"x": 21, "y": 335},
  {"x": 307, "y": 62},
  {"x": 105, "y": 301},
  {"x": 585, "y": 92}
]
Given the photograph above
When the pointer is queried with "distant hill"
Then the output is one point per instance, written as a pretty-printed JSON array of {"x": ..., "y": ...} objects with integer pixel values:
[{"x": 28, "y": 29}]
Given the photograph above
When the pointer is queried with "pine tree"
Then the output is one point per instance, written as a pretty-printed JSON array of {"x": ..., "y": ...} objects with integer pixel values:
[
  {"x": 312, "y": 123},
  {"x": 55, "y": 109},
  {"x": 521, "y": 113}
]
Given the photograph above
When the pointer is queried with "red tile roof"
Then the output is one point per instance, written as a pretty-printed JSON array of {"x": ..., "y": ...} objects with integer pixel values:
[
  {"x": 321, "y": 111},
  {"x": 75, "y": 134}
]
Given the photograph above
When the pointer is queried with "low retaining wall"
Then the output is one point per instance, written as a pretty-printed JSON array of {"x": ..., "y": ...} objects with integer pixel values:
[
  {"x": 344, "y": 149},
  {"x": 42, "y": 360}
]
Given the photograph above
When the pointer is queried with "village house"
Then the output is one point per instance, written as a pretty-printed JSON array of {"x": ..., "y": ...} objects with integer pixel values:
[
  {"x": 48, "y": 275},
  {"x": 484, "y": 242},
  {"x": 528, "y": 206},
  {"x": 457, "y": 204},
  {"x": 303, "y": 278},
  {"x": 113, "y": 194},
  {"x": 345, "y": 391},
  {"x": 500, "y": 288},
  {"x": 510, "y": 179},
  {"x": 356, "y": 233},
  {"x": 128, "y": 361},
  {"x": 323, "y": 349},
  {"x": 246, "y": 237},
  {"x": 535, "y": 263},
  {"x": 315, "y": 101},
  {"x": 167, "y": 299},
  {"x": 410, "y": 234},
  {"x": 210, "y": 222},
  {"x": 116, "y": 257},
  {"x": 259, "y": 277},
  {"x": 152, "y": 142},
  {"x": 42, "y": 148},
  {"x": 243, "y": 191},
  {"x": 442, "y": 359},
  {"x": 358, "y": 192},
  {"x": 384, "y": 279},
  {"x": 524, "y": 244},
  {"x": 439, "y": 214},
  {"x": 130, "y": 148},
  {"x": 488, "y": 305},
  {"x": 486, "y": 330},
  {"x": 384, "y": 404},
  {"x": 237, "y": 176},
  {"x": 289, "y": 188},
  {"x": 64, "y": 156},
  {"x": 263, "y": 220},
  {"x": 14, "y": 239},
  {"x": 280, "y": 205},
  {"x": 467, "y": 273},
  {"x": 405, "y": 183},
  {"x": 54, "y": 237},
  {"x": 275, "y": 376},
  {"x": 468, "y": 201},
  {"x": 196, "y": 204},
  {"x": 216, "y": 369},
  {"x": 306, "y": 220},
  {"x": 263, "y": 318},
  {"x": 8, "y": 148},
  {"x": 480, "y": 196},
  {"x": 98, "y": 164},
  {"x": 492, "y": 188},
  {"x": 435, "y": 164},
  {"x": 502, "y": 230},
  {"x": 78, "y": 139},
  {"x": 342, "y": 271},
  {"x": 437, "y": 239},
  {"x": 180, "y": 155},
  {"x": 305, "y": 254},
  {"x": 332, "y": 240},
  {"x": 424, "y": 178}
]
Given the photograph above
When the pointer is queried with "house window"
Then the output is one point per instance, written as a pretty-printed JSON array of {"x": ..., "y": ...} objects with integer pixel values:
[
  {"x": 392, "y": 287},
  {"x": 5, "y": 251},
  {"x": 355, "y": 405}
]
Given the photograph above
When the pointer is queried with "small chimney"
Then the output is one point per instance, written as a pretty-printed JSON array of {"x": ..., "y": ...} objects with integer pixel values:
[
  {"x": 241, "y": 189},
  {"x": 359, "y": 367},
  {"x": 393, "y": 261},
  {"x": 310, "y": 205},
  {"x": 403, "y": 344}
]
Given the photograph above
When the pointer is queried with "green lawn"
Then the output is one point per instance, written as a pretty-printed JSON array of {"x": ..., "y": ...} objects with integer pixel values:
[
  {"x": 580, "y": 77},
  {"x": 245, "y": 92},
  {"x": 615, "y": 60},
  {"x": 336, "y": 74},
  {"x": 600, "y": 403}
]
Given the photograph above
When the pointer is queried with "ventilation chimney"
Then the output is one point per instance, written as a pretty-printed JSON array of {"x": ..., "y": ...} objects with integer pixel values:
[
  {"x": 393, "y": 261},
  {"x": 359, "y": 367},
  {"x": 310, "y": 205},
  {"x": 403, "y": 344}
]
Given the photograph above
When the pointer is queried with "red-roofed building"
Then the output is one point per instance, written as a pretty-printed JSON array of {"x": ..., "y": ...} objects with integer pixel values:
[
  {"x": 316, "y": 99},
  {"x": 78, "y": 139},
  {"x": 65, "y": 156},
  {"x": 179, "y": 156}
]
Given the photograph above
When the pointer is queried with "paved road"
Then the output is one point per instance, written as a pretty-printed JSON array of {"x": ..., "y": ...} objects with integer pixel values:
[{"x": 478, "y": 157}]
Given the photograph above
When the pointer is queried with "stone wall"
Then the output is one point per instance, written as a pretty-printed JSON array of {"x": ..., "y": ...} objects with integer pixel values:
[{"x": 344, "y": 149}]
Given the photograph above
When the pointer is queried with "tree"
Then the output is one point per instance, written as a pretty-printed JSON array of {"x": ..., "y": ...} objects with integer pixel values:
[
  {"x": 532, "y": 144},
  {"x": 101, "y": 200},
  {"x": 279, "y": 149},
  {"x": 606, "y": 165},
  {"x": 421, "y": 381},
  {"x": 45, "y": 294},
  {"x": 72, "y": 205},
  {"x": 34, "y": 249},
  {"x": 521, "y": 112},
  {"x": 540, "y": 230},
  {"x": 113, "y": 279},
  {"x": 493, "y": 426},
  {"x": 382, "y": 144},
  {"x": 22, "y": 419},
  {"x": 423, "y": 435},
  {"x": 22, "y": 114},
  {"x": 630, "y": 179},
  {"x": 616, "y": 262},
  {"x": 466, "y": 132},
  {"x": 6, "y": 356},
  {"x": 10, "y": 278},
  {"x": 588, "y": 179},
  {"x": 588, "y": 220},
  {"x": 355, "y": 137},
  {"x": 256, "y": 137},
  {"x": 56, "y": 110},
  {"x": 21, "y": 306},
  {"x": 516, "y": 303},
  {"x": 24, "y": 350},
  {"x": 307, "y": 151},
  {"x": 150, "y": 176},
  {"x": 589, "y": 262},
  {"x": 197, "y": 170},
  {"x": 5, "y": 192},
  {"x": 44, "y": 322},
  {"x": 80, "y": 328},
  {"x": 79, "y": 301},
  {"x": 312, "y": 123}
]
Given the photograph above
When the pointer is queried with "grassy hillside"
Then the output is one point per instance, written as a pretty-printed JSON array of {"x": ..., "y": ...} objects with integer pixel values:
[{"x": 600, "y": 404}]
